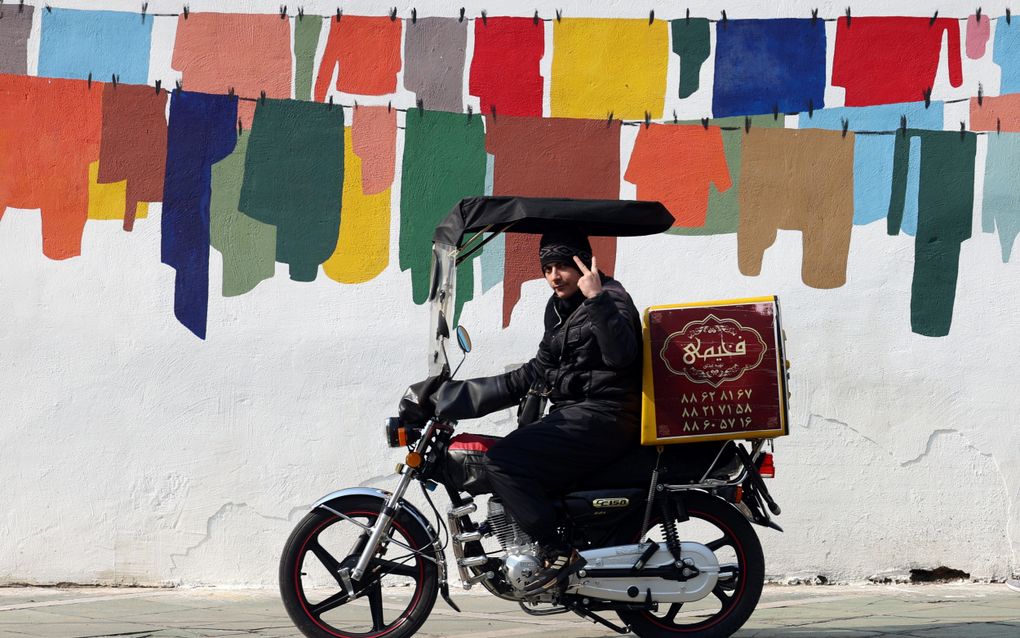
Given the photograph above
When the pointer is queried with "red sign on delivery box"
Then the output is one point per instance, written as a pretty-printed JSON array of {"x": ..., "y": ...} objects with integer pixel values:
[{"x": 714, "y": 370}]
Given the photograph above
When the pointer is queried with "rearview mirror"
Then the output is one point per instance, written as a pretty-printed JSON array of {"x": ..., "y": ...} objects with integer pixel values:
[{"x": 463, "y": 339}]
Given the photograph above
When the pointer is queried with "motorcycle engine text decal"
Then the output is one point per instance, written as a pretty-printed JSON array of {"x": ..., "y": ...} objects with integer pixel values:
[
  {"x": 611, "y": 502},
  {"x": 713, "y": 350}
]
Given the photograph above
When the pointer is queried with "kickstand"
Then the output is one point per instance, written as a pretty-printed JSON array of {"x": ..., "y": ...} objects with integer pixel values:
[
  {"x": 444, "y": 591},
  {"x": 595, "y": 618}
]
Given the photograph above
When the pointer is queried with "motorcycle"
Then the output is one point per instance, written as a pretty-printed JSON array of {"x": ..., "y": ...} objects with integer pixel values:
[{"x": 666, "y": 531}]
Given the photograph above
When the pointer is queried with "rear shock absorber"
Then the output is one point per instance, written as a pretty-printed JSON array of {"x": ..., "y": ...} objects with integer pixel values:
[{"x": 670, "y": 514}]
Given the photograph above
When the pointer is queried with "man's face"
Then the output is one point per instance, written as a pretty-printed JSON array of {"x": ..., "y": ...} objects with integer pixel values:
[{"x": 562, "y": 278}]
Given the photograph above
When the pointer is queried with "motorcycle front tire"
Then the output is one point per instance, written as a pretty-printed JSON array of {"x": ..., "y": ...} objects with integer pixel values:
[{"x": 303, "y": 541}]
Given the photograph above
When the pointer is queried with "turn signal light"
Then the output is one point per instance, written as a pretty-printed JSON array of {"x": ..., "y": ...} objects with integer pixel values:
[
  {"x": 768, "y": 467},
  {"x": 413, "y": 460}
]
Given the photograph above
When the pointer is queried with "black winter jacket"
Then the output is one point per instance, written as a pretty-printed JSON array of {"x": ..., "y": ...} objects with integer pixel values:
[{"x": 592, "y": 354}]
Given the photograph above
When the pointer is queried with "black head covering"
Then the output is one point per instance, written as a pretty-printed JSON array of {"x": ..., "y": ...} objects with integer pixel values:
[{"x": 562, "y": 247}]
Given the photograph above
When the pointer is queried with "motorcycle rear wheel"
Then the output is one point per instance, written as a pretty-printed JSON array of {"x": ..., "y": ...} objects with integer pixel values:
[
  {"x": 718, "y": 525},
  {"x": 323, "y": 542}
]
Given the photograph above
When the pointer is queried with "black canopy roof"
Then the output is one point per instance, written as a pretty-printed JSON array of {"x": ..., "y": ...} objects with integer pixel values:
[{"x": 600, "y": 217}]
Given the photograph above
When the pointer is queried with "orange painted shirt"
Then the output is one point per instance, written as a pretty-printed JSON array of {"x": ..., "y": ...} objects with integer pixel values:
[
  {"x": 49, "y": 134},
  {"x": 676, "y": 165},
  {"x": 367, "y": 50}
]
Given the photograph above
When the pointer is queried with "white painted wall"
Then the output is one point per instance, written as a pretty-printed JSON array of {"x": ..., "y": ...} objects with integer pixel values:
[{"x": 132, "y": 452}]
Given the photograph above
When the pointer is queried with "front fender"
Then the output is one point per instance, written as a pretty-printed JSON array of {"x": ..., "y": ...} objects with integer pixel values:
[{"x": 383, "y": 496}]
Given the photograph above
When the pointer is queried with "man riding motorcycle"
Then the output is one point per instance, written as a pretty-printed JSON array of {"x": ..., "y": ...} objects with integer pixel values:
[{"x": 589, "y": 366}]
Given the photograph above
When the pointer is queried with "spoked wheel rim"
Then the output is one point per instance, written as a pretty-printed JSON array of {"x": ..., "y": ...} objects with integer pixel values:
[
  {"x": 364, "y": 614},
  {"x": 698, "y": 616}
]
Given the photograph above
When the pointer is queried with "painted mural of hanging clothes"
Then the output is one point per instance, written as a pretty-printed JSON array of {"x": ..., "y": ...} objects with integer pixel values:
[
  {"x": 979, "y": 28},
  {"x": 363, "y": 246},
  {"x": 603, "y": 65},
  {"x": 551, "y": 157},
  {"x": 133, "y": 146},
  {"x": 248, "y": 246},
  {"x": 766, "y": 65},
  {"x": 15, "y": 28},
  {"x": 691, "y": 39},
  {"x": 202, "y": 131},
  {"x": 999, "y": 113},
  {"x": 798, "y": 180},
  {"x": 723, "y": 214},
  {"x": 873, "y": 154},
  {"x": 364, "y": 53},
  {"x": 49, "y": 134},
  {"x": 887, "y": 60},
  {"x": 444, "y": 161},
  {"x": 505, "y": 64},
  {"x": 77, "y": 44},
  {"x": 678, "y": 166},
  {"x": 945, "y": 213},
  {"x": 434, "y": 53},
  {"x": 1006, "y": 54},
  {"x": 244, "y": 53},
  {"x": 1001, "y": 208},
  {"x": 293, "y": 179},
  {"x": 307, "y": 29}
]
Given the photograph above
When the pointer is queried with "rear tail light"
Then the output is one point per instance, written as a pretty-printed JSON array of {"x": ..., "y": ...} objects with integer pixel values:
[{"x": 767, "y": 469}]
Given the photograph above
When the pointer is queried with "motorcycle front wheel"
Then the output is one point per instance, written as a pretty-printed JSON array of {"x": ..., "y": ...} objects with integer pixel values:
[
  {"x": 394, "y": 597},
  {"x": 719, "y": 526}
]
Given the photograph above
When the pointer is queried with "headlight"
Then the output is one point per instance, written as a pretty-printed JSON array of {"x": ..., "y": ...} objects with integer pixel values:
[{"x": 399, "y": 435}]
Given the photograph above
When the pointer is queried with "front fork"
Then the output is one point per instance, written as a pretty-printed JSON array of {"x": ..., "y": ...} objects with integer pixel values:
[{"x": 389, "y": 511}]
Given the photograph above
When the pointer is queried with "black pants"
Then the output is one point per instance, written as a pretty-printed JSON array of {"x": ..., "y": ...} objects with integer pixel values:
[{"x": 549, "y": 456}]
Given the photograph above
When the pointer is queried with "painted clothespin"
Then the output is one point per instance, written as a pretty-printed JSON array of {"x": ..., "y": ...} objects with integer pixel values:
[
  {"x": 675, "y": 120},
  {"x": 283, "y": 12},
  {"x": 145, "y": 8},
  {"x": 230, "y": 91},
  {"x": 469, "y": 113},
  {"x": 559, "y": 15},
  {"x": 461, "y": 18},
  {"x": 393, "y": 14},
  {"x": 931, "y": 20},
  {"x": 848, "y": 17},
  {"x": 903, "y": 125},
  {"x": 977, "y": 14},
  {"x": 414, "y": 16},
  {"x": 981, "y": 94},
  {"x": 240, "y": 128},
  {"x": 704, "y": 123},
  {"x": 846, "y": 126},
  {"x": 651, "y": 16},
  {"x": 747, "y": 123},
  {"x": 421, "y": 107},
  {"x": 179, "y": 84},
  {"x": 485, "y": 17},
  {"x": 186, "y": 10},
  {"x": 492, "y": 109},
  {"x": 724, "y": 18},
  {"x": 339, "y": 13},
  {"x": 49, "y": 9},
  {"x": 927, "y": 97},
  {"x": 609, "y": 120},
  {"x": 389, "y": 106},
  {"x": 1009, "y": 16},
  {"x": 159, "y": 85},
  {"x": 963, "y": 130},
  {"x": 113, "y": 78},
  {"x": 687, "y": 18},
  {"x": 300, "y": 13},
  {"x": 330, "y": 106},
  {"x": 648, "y": 119},
  {"x": 998, "y": 125},
  {"x": 814, "y": 17},
  {"x": 775, "y": 110},
  {"x": 90, "y": 79},
  {"x": 535, "y": 19},
  {"x": 810, "y": 107},
  {"x": 262, "y": 96}
]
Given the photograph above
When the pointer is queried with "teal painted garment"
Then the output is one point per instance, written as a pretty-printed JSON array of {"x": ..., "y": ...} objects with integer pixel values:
[
  {"x": 692, "y": 43},
  {"x": 293, "y": 179},
  {"x": 945, "y": 216},
  {"x": 1001, "y": 204},
  {"x": 873, "y": 154}
]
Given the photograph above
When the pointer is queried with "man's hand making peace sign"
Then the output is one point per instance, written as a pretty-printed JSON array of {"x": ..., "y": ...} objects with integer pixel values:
[{"x": 590, "y": 282}]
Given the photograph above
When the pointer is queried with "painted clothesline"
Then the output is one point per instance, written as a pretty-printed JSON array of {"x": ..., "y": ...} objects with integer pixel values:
[
  {"x": 646, "y": 122},
  {"x": 559, "y": 16}
]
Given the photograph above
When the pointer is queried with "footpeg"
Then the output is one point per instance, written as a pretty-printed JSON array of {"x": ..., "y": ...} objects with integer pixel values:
[
  {"x": 467, "y": 537},
  {"x": 472, "y": 561},
  {"x": 463, "y": 510}
]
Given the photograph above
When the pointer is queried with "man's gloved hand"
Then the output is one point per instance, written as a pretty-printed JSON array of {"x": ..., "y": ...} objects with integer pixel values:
[{"x": 473, "y": 398}]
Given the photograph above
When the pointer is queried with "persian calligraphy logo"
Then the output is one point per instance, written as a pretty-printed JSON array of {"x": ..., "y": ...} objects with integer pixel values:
[{"x": 713, "y": 350}]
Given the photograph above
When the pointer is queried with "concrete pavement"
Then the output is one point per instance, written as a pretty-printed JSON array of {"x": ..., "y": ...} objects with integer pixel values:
[{"x": 840, "y": 611}]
